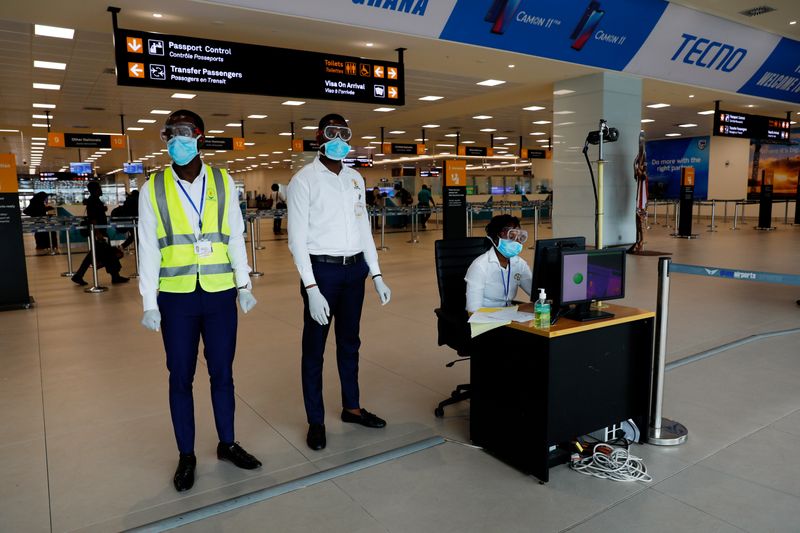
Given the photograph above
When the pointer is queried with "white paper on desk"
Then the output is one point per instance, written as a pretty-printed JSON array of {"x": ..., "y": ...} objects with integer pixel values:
[{"x": 501, "y": 314}]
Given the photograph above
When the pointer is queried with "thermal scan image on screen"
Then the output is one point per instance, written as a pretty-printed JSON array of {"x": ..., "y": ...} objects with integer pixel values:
[{"x": 591, "y": 277}]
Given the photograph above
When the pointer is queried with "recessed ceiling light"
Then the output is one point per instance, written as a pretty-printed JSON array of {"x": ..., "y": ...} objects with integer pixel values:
[
  {"x": 383, "y": 109},
  {"x": 562, "y": 92},
  {"x": 488, "y": 130},
  {"x": 511, "y": 66},
  {"x": 431, "y": 98},
  {"x": 500, "y": 138},
  {"x": 467, "y": 142},
  {"x": 250, "y": 144},
  {"x": 53, "y": 31},
  {"x": 39, "y": 125},
  {"x": 293, "y": 102},
  {"x": 444, "y": 145},
  {"x": 541, "y": 122},
  {"x": 184, "y": 96},
  {"x": 44, "y": 106},
  {"x": 792, "y": 22},
  {"x": 509, "y": 144},
  {"x": 396, "y": 132},
  {"x": 146, "y": 121},
  {"x": 157, "y": 15},
  {"x": 542, "y": 141},
  {"x": 482, "y": 117},
  {"x": 451, "y": 134},
  {"x": 706, "y": 112},
  {"x": 233, "y": 124},
  {"x": 47, "y": 86},
  {"x": 673, "y": 134},
  {"x": 533, "y": 108},
  {"x": 657, "y": 106},
  {"x": 44, "y": 117},
  {"x": 32, "y": 138},
  {"x": 750, "y": 105},
  {"x": 134, "y": 128},
  {"x": 256, "y": 116},
  {"x": 309, "y": 127},
  {"x": 430, "y": 126},
  {"x": 216, "y": 131},
  {"x": 368, "y": 137},
  {"x": 537, "y": 133},
  {"x": 278, "y": 152},
  {"x": 49, "y": 65},
  {"x": 646, "y": 120},
  {"x": 285, "y": 133},
  {"x": 159, "y": 112},
  {"x": 691, "y": 96},
  {"x": 687, "y": 125},
  {"x": 374, "y": 142},
  {"x": 443, "y": 153},
  {"x": 370, "y": 45},
  {"x": 490, "y": 83},
  {"x": 563, "y": 112},
  {"x": 792, "y": 122}
]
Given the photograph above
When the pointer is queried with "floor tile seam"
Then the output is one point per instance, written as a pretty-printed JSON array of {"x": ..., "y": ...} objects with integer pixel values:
[
  {"x": 366, "y": 446},
  {"x": 401, "y": 376},
  {"x": 721, "y": 519},
  {"x": 599, "y": 512},
  {"x": 44, "y": 419},
  {"x": 787, "y": 433},
  {"x": 21, "y": 441},
  {"x": 737, "y": 476},
  {"x": 360, "y": 505}
]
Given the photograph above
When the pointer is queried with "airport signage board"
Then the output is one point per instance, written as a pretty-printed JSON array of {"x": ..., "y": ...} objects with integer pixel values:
[
  {"x": 403, "y": 148},
  {"x": 531, "y": 153},
  {"x": 83, "y": 140},
  {"x": 746, "y": 126},
  {"x": 481, "y": 151},
  {"x": 224, "y": 143},
  {"x": 303, "y": 145},
  {"x": 162, "y": 61}
]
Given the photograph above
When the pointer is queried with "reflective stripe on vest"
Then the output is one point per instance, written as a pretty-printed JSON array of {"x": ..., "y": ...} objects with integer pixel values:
[{"x": 181, "y": 267}]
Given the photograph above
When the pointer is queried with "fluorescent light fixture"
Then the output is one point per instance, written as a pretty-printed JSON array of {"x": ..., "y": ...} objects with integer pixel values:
[
  {"x": 233, "y": 125},
  {"x": 444, "y": 153},
  {"x": 490, "y": 83},
  {"x": 250, "y": 157},
  {"x": 32, "y": 138},
  {"x": 542, "y": 141},
  {"x": 368, "y": 137},
  {"x": 673, "y": 134},
  {"x": 183, "y": 96},
  {"x": 259, "y": 155},
  {"x": 309, "y": 127},
  {"x": 39, "y": 125},
  {"x": 533, "y": 108},
  {"x": 657, "y": 106},
  {"x": 159, "y": 112},
  {"x": 44, "y": 106},
  {"x": 135, "y": 128},
  {"x": 687, "y": 125},
  {"x": 53, "y": 31},
  {"x": 540, "y": 122},
  {"x": 275, "y": 162},
  {"x": 482, "y": 117},
  {"x": 646, "y": 120},
  {"x": 511, "y": 66},
  {"x": 562, "y": 92},
  {"x": 500, "y": 138},
  {"x": 157, "y": 15},
  {"x": 751, "y": 105},
  {"x": 396, "y": 132},
  {"x": 383, "y": 109},
  {"x": 431, "y": 98},
  {"x": 509, "y": 144},
  {"x": 293, "y": 102},
  {"x": 278, "y": 152},
  {"x": 374, "y": 142},
  {"x": 563, "y": 112},
  {"x": 444, "y": 145},
  {"x": 488, "y": 130},
  {"x": 52, "y": 65},
  {"x": 430, "y": 126},
  {"x": 38, "y": 143},
  {"x": 216, "y": 131},
  {"x": 146, "y": 121},
  {"x": 451, "y": 134},
  {"x": 256, "y": 116},
  {"x": 43, "y": 117},
  {"x": 47, "y": 86},
  {"x": 535, "y": 133},
  {"x": 250, "y": 144},
  {"x": 792, "y": 22},
  {"x": 691, "y": 96},
  {"x": 706, "y": 112},
  {"x": 285, "y": 133}
]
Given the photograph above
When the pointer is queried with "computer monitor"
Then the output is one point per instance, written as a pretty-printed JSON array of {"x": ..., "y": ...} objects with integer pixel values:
[
  {"x": 547, "y": 267},
  {"x": 591, "y": 275}
]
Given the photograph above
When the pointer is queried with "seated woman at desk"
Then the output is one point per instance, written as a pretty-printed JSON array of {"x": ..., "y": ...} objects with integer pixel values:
[{"x": 493, "y": 278}]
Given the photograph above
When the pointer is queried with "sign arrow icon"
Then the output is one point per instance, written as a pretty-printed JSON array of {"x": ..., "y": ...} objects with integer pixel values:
[
  {"x": 392, "y": 92},
  {"x": 134, "y": 44},
  {"x": 136, "y": 70},
  {"x": 378, "y": 71},
  {"x": 391, "y": 73}
]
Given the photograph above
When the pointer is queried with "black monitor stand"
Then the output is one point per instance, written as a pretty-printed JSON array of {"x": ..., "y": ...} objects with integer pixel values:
[{"x": 583, "y": 312}]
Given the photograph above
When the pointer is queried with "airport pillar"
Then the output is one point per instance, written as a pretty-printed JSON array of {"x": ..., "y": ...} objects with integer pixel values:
[{"x": 578, "y": 106}]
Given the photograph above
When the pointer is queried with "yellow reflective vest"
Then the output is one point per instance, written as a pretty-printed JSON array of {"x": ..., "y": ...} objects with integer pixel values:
[{"x": 181, "y": 267}]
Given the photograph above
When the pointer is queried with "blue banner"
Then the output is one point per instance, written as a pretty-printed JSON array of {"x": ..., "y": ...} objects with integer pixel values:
[
  {"x": 779, "y": 76},
  {"x": 600, "y": 33},
  {"x": 664, "y": 162}
]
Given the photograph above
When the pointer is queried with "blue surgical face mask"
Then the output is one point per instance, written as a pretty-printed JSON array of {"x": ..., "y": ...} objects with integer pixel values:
[
  {"x": 509, "y": 248},
  {"x": 182, "y": 149},
  {"x": 336, "y": 149}
]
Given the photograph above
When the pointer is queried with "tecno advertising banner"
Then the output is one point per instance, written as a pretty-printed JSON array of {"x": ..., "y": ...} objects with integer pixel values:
[
  {"x": 784, "y": 162},
  {"x": 665, "y": 160}
]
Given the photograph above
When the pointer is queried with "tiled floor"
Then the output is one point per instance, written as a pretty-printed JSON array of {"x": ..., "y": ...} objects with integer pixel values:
[{"x": 86, "y": 441}]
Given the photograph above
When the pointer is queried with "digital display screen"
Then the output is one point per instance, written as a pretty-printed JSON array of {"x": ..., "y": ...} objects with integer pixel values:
[
  {"x": 592, "y": 275},
  {"x": 81, "y": 169},
  {"x": 746, "y": 126},
  {"x": 133, "y": 168}
]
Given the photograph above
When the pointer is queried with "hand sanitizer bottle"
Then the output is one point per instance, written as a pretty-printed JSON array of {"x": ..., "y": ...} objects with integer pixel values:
[{"x": 541, "y": 312}]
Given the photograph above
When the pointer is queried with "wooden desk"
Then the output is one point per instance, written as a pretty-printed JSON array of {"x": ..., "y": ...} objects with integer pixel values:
[{"x": 532, "y": 389}]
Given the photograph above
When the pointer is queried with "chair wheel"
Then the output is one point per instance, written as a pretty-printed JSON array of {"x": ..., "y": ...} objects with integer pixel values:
[
  {"x": 455, "y": 393},
  {"x": 439, "y": 412}
]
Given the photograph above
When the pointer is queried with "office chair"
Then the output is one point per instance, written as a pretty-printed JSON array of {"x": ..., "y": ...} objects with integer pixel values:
[{"x": 453, "y": 258}]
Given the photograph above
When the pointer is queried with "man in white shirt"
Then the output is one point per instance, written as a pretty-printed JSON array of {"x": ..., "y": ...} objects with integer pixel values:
[
  {"x": 192, "y": 259},
  {"x": 494, "y": 277},
  {"x": 331, "y": 241}
]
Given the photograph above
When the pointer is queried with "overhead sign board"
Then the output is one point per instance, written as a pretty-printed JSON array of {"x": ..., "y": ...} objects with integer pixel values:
[
  {"x": 481, "y": 151},
  {"x": 532, "y": 153},
  {"x": 303, "y": 145},
  {"x": 403, "y": 148},
  {"x": 145, "y": 59},
  {"x": 83, "y": 140},
  {"x": 746, "y": 126}
]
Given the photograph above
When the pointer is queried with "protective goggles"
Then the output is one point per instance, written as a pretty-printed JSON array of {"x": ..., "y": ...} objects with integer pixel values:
[
  {"x": 331, "y": 132},
  {"x": 515, "y": 234},
  {"x": 180, "y": 129}
]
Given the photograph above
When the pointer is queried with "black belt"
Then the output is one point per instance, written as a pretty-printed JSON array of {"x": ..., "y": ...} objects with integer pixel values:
[{"x": 338, "y": 259}]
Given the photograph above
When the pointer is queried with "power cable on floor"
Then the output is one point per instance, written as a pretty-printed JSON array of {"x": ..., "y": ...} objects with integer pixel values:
[{"x": 614, "y": 463}]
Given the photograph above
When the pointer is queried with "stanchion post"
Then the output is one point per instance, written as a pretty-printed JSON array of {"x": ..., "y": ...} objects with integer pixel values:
[
  {"x": 383, "y": 230},
  {"x": 675, "y": 207},
  {"x": 662, "y": 431},
  {"x": 258, "y": 231},
  {"x": 69, "y": 273},
  {"x": 95, "y": 288},
  {"x": 786, "y": 212},
  {"x": 735, "y": 216},
  {"x": 536, "y": 222},
  {"x": 135, "y": 273},
  {"x": 254, "y": 273},
  {"x": 52, "y": 248},
  {"x": 713, "y": 227},
  {"x": 413, "y": 215}
]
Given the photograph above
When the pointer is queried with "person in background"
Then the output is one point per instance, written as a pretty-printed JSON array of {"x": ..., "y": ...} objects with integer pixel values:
[
  {"x": 425, "y": 200},
  {"x": 369, "y": 196},
  {"x": 402, "y": 196},
  {"x": 38, "y": 208},
  {"x": 380, "y": 198},
  {"x": 192, "y": 270},
  {"x": 494, "y": 277},
  {"x": 278, "y": 200},
  {"x": 107, "y": 255},
  {"x": 331, "y": 242},
  {"x": 129, "y": 209}
]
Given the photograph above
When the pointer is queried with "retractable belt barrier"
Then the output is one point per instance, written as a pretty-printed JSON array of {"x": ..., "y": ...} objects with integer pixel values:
[{"x": 667, "y": 432}]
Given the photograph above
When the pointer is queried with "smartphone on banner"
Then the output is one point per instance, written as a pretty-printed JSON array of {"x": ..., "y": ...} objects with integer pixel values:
[
  {"x": 591, "y": 8},
  {"x": 495, "y": 9},
  {"x": 505, "y": 15},
  {"x": 591, "y": 26}
]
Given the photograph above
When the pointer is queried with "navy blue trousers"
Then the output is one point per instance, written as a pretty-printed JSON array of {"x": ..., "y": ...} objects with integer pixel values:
[
  {"x": 343, "y": 288},
  {"x": 185, "y": 318}
]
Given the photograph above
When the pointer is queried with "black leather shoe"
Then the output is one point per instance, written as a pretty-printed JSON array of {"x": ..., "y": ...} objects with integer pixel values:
[
  {"x": 119, "y": 279},
  {"x": 184, "y": 474},
  {"x": 316, "y": 436},
  {"x": 366, "y": 419},
  {"x": 236, "y": 455},
  {"x": 78, "y": 280}
]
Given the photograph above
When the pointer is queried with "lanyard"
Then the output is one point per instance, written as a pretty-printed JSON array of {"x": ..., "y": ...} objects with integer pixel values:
[
  {"x": 202, "y": 201},
  {"x": 506, "y": 281}
]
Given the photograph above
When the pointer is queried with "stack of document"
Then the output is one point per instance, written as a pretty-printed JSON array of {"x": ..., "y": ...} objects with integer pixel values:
[{"x": 488, "y": 318}]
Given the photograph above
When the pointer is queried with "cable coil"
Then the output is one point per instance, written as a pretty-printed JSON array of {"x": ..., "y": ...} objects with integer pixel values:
[{"x": 614, "y": 463}]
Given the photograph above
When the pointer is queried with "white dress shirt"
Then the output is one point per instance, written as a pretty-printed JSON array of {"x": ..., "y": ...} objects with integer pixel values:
[
  {"x": 149, "y": 252},
  {"x": 327, "y": 215},
  {"x": 487, "y": 280}
]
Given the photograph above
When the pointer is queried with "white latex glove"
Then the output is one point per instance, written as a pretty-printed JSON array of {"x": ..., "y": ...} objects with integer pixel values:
[
  {"x": 384, "y": 293},
  {"x": 318, "y": 306},
  {"x": 246, "y": 300},
  {"x": 152, "y": 320}
]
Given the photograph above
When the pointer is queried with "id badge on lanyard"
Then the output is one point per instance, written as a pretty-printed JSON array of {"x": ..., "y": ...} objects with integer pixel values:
[{"x": 203, "y": 248}]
